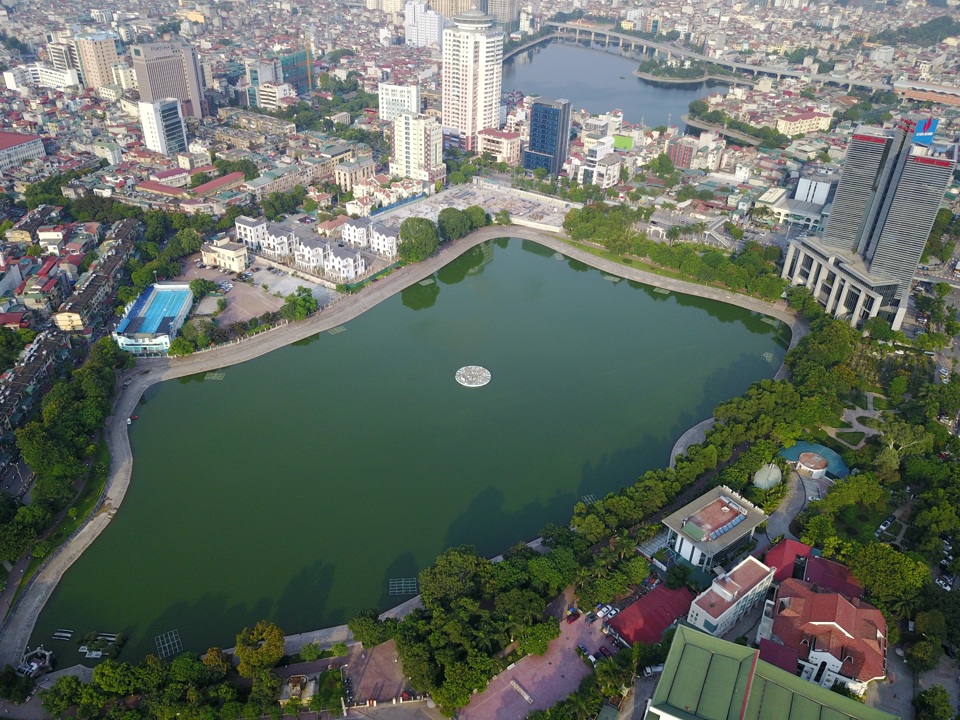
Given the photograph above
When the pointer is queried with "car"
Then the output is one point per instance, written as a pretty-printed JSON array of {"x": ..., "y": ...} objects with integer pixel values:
[
  {"x": 814, "y": 498},
  {"x": 613, "y": 612},
  {"x": 891, "y": 519},
  {"x": 592, "y": 659},
  {"x": 606, "y": 653},
  {"x": 590, "y": 619},
  {"x": 573, "y": 617},
  {"x": 943, "y": 584},
  {"x": 582, "y": 649},
  {"x": 602, "y": 612}
]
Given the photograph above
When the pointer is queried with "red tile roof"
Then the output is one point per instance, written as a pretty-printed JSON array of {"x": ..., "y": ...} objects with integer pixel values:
[
  {"x": 853, "y": 632},
  {"x": 648, "y": 618},
  {"x": 781, "y": 656},
  {"x": 828, "y": 575},
  {"x": 9, "y": 139},
  {"x": 214, "y": 185},
  {"x": 782, "y": 556}
]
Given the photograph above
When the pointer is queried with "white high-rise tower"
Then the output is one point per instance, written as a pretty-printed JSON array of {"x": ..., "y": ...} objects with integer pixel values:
[{"x": 472, "y": 76}]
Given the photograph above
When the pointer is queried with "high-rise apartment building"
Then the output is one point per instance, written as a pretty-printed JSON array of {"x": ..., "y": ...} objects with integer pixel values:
[
  {"x": 396, "y": 99},
  {"x": 505, "y": 12},
  {"x": 418, "y": 149},
  {"x": 549, "y": 135},
  {"x": 890, "y": 190},
  {"x": 164, "y": 131},
  {"x": 472, "y": 76},
  {"x": 422, "y": 26},
  {"x": 452, "y": 8},
  {"x": 170, "y": 70},
  {"x": 63, "y": 56},
  {"x": 97, "y": 53}
]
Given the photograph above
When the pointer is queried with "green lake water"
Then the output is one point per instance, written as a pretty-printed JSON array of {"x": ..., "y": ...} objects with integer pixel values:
[{"x": 297, "y": 486}]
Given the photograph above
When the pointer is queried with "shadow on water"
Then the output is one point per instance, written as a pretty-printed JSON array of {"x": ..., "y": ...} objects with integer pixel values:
[
  {"x": 196, "y": 377},
  {"x": 312, "y": 583},
  {"x": 403, "y": 566},
  {"x": 420, "y": 297},
  {"x": 486, "y": 511},
  {"x": 470, "y": 263},
  {"x": 536, "y": 248},
  {"x": 187, "y": 619},
  {"x": 626, "y": 465},
  {"x": 306, "y": 341}
]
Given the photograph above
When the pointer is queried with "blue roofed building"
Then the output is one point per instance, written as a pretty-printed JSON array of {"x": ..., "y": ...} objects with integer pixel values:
[{"x": 153, "y": 319}]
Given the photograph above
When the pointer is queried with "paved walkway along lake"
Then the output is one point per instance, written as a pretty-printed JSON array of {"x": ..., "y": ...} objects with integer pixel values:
[{"x": 19, "y": 623}]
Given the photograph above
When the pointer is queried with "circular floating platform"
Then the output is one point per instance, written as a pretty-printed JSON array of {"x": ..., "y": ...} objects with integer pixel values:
[{"x": 473, "y": 376}]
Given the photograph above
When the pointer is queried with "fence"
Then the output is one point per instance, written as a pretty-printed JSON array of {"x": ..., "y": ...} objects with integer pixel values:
[
  {"x": 357, "y": 285},
  {"x": 398, "y": 204}
]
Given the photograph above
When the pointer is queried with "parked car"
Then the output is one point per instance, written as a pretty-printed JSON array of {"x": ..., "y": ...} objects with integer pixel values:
[
  {"x": 590, "y": 619},
  {"x": 602, "y": 612},
  {"x": 606, "y": 653},
  {"x": 582, "y": 649},
  {"x": 612, "y": 612},
  {"x": 944, "y": 584},
  {"x": 573, "y": 617}
]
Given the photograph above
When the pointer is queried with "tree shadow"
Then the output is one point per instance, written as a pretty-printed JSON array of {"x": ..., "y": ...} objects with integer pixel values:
[
  {"x": 304, "y": 599},
  {"x": 420, "y": 297}
]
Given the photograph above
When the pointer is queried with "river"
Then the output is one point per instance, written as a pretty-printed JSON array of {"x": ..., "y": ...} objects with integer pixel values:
[
  {"x": 600, "y": 81},
  {"x": 298, "y": 485}
]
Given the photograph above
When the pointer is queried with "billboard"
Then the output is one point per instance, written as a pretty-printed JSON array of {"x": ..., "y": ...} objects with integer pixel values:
[{"x": 925, "y": 131}]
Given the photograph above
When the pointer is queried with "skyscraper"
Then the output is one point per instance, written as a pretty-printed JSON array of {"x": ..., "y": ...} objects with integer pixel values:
[
  {"x": 164, "y": 131},
  {"x": 472, "y": 76},
  {"x": 418, "y": 148},
  {"x": 170, "y": 70},
  {"x": 452, "y": 8},
  {"x": 549, "y": 135},
  {"x": 505, "y": 12},
  {"x": 97, "y": 53},
  {"x": 890, "y": 190},
  {"x": 396, "y": 99},
  {"x": 422, "y": 27}
]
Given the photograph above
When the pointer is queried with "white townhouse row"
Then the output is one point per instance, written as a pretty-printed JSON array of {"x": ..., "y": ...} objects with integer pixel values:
[
  {"x": 300, "y": 247},
  {"x": 364, "y": 233}
]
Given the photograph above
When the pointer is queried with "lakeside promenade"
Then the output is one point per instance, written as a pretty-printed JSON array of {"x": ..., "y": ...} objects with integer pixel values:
[{"x": 18, "y": 625}]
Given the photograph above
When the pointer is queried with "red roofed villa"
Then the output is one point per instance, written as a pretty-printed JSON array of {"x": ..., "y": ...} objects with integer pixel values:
[
  {"x": 837, "y": 640},
  {"x": 649, "y": 617}
]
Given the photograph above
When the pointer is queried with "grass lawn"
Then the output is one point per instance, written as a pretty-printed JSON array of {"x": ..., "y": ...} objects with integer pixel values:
[
  {"x": 83, "y": 505},
  {"x": 880, "y": 403},
  {"x": 850, "y": 438},
  {"x": 867, "y": 421},
  {"x": 859, "y": 523},
  {"x": 894, "y": 530}
]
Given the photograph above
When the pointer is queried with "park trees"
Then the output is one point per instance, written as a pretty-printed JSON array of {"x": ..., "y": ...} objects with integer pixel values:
[
  {"x": 418, "y": 239},
  {"x": 887, "y": 574},
  {"x": 299, "y": 305},
  {"x": 934, "y": 703},
  {"x": 453, "y": 224},
  {"x": 259, "y": 648},
  {"x": 200, "y": 287}
]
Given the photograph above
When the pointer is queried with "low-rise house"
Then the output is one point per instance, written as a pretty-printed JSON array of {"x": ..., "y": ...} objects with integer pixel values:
[
  {"x": 717, "y": 609},
  {"x": 225, "y": 254}
]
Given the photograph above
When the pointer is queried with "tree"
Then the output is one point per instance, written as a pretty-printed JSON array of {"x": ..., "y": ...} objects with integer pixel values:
[
  {"x": 369, "y": 630},
  {"x": 536, "y": 640},
  {"x": 418, "y": 239},
  {"x": 502, "y": 217},
  {"x": 924, "y": 655},
  {"x": 453, "y": 224},
  {"x": 219, "y": 662},
  {"x": 200, "y": 287},
  {"x": 115, "y": 677},
  {"x": 310, "y": 652},
  {"x": 199, "y": 178},
  {"x": 478, "y": 216},
  {"x": 180, "y": 346},
  {"x": 259, "y": 648},
  {"x": 887, "y": 574},
  {"x": 299, "y": 305},
  {"x": 934, "y": 703},
  {"x": 64, "y": 693},
  {"x": 933, "y": 625}
]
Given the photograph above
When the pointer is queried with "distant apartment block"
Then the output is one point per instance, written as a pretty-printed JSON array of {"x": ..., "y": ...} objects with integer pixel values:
[
  {"x": 170, "y": 70},
  {"x": 422, "y": 26},
  {"x": 803, "y": 123},
  {"x": 346, "y": 174},
  {"x": 223, "y": 253},
  {"x": 164, "y": 130},
  {"x": 38, "y": 74},
  {"x": 418, "y": 149},
  {"x": 16, "y": 149},
  {"x": 397, "y": 99}
]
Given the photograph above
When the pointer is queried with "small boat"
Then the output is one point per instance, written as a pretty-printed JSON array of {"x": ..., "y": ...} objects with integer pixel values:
[{"x": 129, "y": 421}]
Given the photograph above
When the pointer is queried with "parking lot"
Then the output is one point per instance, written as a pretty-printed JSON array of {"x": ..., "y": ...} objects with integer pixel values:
[
  {"x": 263, "y": 293},
  {"x": 546, "y": 679}
]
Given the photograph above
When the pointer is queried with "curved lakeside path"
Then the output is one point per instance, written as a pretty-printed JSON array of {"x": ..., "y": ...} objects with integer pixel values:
[{"x": 18, "y": 625}]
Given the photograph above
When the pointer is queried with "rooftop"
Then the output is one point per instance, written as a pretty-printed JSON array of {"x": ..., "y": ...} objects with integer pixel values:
[
  {"x": 705, "y": 678},
  {"x": 732, "y": 586},
  {"x": 155, "y": 310},
  {"x": 719, "y": 516}
]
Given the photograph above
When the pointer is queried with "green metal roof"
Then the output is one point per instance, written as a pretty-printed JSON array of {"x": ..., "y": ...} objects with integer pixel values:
[{"x": 705, "y": 678}]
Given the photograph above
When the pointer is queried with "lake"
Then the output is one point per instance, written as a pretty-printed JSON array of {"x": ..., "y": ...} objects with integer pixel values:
[
  {"x": 297, "y": 486},
  {"x": 600, "y": 81}
]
